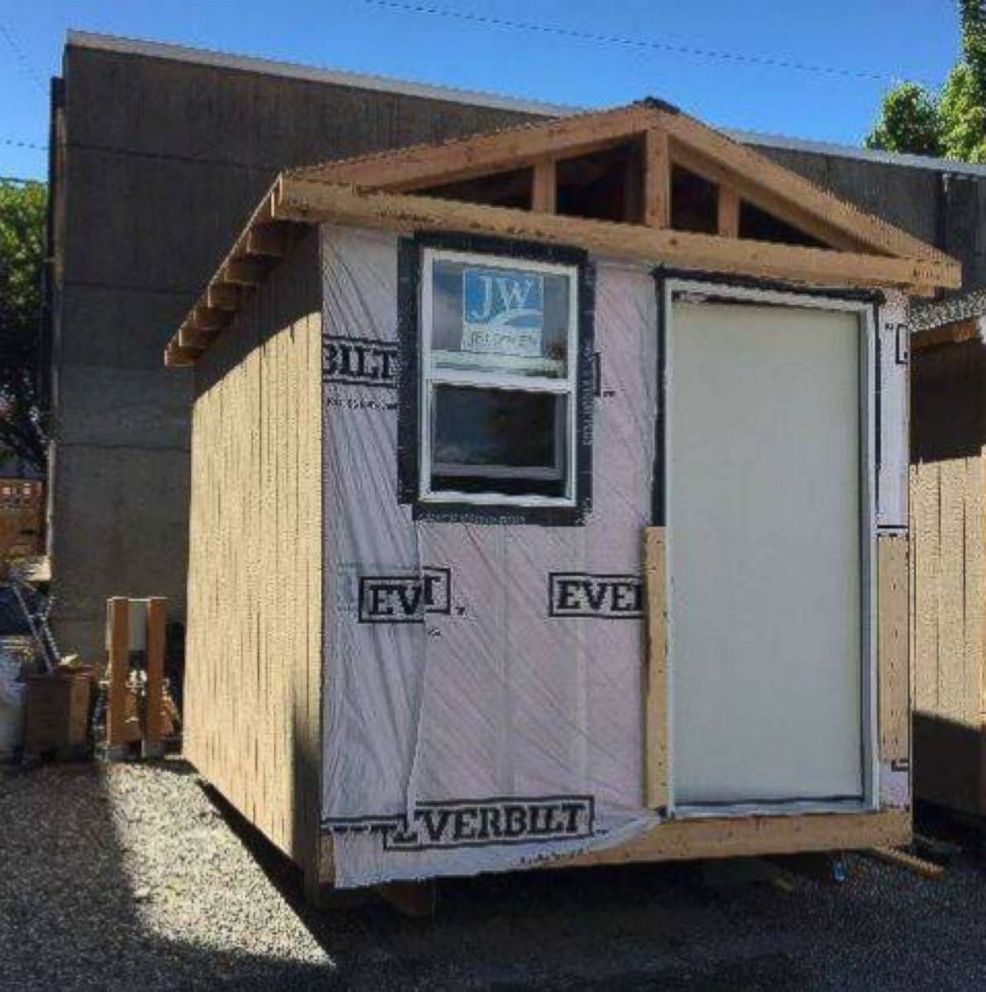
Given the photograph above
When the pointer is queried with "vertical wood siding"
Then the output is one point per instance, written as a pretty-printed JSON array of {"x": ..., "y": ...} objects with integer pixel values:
[
  {"x": 947, "y": 629},
  {"x": 253, "y": 676}
]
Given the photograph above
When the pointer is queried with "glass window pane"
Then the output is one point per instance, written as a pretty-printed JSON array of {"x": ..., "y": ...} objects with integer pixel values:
[
  {"x": 499, "y": 319},
  {"x": 498, "y": 441}
]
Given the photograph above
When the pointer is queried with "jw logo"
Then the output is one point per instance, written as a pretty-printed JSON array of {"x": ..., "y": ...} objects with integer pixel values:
[
  {"x": 502, "y": 312},
  {"x": 612, "y": 597},
  {"x": 359, "y": 361},
  {"x": 404, "y": 598}
]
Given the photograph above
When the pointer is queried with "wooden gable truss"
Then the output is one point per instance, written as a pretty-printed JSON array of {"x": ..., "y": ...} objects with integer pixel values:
[{"x": 643, "y": 182}]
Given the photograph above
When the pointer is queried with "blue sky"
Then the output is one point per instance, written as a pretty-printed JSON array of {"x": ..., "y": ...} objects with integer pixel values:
[{"x": 804, "y": 68}]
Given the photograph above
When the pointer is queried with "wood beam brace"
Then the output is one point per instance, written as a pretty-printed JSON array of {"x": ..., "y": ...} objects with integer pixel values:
[
  {"x": 190, "y": 339},
  {"x": 657, "y": 179},
  {"x": 207, "y": 319},
  {"x": 728, "y": 212},
  {"x": 223, "y": 296},
  {"x": 268, "y": 240},
  {"x": 310, "y": 202},
  {"x": 544, "y": 191},
  {"x": 244, "y": 272}
]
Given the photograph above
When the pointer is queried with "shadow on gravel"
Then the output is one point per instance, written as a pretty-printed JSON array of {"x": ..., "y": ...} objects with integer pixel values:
[{"x": 69, "y": 919}]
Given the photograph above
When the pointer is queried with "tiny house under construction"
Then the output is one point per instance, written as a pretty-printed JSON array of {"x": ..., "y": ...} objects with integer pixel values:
[{"x": 549, "y": 506}]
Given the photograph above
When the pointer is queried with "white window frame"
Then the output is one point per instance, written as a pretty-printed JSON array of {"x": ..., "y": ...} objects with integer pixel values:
[{"x": 429, "y": 378}]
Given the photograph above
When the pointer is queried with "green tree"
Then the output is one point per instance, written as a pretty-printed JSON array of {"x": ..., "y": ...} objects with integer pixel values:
[
  {"x": 22, "y": 254},
  {"x": 909, "y": 122},
  {"x": 951, "y": 123},
  {"x": 962, "y": 117}
]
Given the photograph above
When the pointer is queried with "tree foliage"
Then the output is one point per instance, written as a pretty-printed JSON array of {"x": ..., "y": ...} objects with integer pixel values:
[
  {"x": 22, "y": 254},
  {"x": 951, "y": 122},
  {"x": 908, "y": 122}
]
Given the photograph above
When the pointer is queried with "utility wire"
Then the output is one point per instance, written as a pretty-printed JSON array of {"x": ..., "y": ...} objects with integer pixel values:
[
  {"x": 14, "y": 143},
  {"x": 21, "y": 57},
  {"x": 643, "y": 44}
]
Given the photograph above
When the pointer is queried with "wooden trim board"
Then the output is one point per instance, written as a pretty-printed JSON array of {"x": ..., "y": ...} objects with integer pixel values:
[
  {"x": 686, "y": 840},
  {"x": 656, "y": 694},
  {"x": 752, "y": 836},
  {"x": 892, "y": 647},
  {"x": 308, "y": 202},
  {"x": 420, "y": 166}
]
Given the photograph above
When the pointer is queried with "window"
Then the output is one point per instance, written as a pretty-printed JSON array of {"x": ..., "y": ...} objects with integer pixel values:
[{"x": 498, "y": 374}]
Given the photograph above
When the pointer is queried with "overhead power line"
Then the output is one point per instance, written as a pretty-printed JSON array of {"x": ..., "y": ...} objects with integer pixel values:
[
  {"x": 642, "y": 44},
  {"x": 21, "y": 57},
  {"x": 14, "y": 143}
]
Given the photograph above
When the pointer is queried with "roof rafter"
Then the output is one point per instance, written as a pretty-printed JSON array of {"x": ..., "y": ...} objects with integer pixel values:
[{"x": 373, "y": 190}]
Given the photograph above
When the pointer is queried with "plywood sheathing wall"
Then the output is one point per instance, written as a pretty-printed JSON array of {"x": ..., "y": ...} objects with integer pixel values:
[
  {"x": 947, "y": 586},
  {"x": 254, "y": 589}
]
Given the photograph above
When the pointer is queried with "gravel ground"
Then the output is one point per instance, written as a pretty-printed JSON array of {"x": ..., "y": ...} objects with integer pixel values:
[{"x": 135, "y": 877}]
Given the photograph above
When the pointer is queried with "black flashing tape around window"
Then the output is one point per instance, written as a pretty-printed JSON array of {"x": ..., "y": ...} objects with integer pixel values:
[
  {"x": 877, "y": 426},
  {"x": 408, "y": 426},
  {"x": 408, "y": 278},
  {"x": 658, "y": 472}
]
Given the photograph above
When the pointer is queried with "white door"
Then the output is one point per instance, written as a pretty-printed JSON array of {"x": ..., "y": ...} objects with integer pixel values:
[{"x": 765, "y": 554}]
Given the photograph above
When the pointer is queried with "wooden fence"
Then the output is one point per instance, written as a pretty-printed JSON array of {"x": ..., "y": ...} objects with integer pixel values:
[{"x": 948, "y": 559}]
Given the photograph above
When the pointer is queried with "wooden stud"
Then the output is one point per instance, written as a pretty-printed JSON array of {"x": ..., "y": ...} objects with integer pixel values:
[
  {"x": 784, "y": 193},
  {"x": 656, "y": 698},
  {"x": 268, "y": 241},
  {"x": 243, "y": 272},
  {"x": 118, "y": 646},
  {"x": 313, "y": 202},
  {"x": 657, "y": 179},
  {"x": 176, "y": 357},
  {"x": 728, "y": 212},
  {"x": 544, "y": 188},
  {"x": 900, "y": 859},
  {"x": 892, "y": 648},
  {"x": 222, "y": 296},
  {"x": 191, "y": 340},
  {"x": 207, "y": 319},
  {"x": 780, "y": 208},
  {"x": 153, "y": 745}
]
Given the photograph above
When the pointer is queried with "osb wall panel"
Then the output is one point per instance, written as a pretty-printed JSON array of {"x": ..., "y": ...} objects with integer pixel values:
[
  {"x": 947, "y": 573},
  {"x": 253, "y": 672}
]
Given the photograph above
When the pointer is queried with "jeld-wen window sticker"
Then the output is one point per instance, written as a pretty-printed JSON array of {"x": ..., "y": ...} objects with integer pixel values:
[{"x": 498, "y": 382}]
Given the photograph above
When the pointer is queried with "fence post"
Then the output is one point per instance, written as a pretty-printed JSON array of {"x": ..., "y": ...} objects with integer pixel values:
[
  {"x": 153, "y": 746},
  {"x": 118, "y": 645}
]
